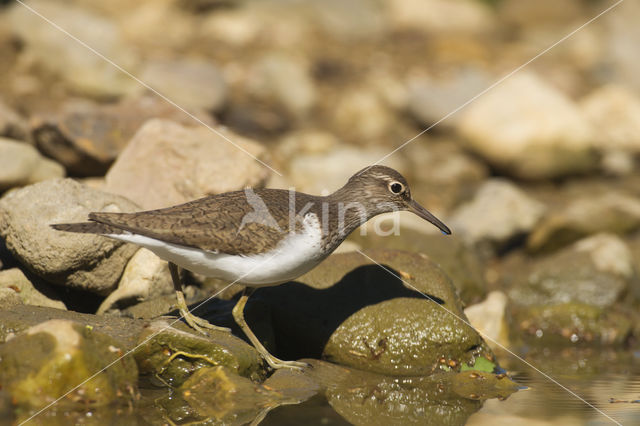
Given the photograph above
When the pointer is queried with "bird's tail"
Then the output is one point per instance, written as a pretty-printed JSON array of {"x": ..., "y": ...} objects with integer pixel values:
[{"x": 87, "y": 228}]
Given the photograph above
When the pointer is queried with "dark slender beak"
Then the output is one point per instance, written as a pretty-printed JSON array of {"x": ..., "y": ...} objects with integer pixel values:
[{"x": 426, "y": 215}]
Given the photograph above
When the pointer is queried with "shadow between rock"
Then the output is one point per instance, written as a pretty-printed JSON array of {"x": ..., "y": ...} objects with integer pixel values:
[{"x": 301, "y": 318}]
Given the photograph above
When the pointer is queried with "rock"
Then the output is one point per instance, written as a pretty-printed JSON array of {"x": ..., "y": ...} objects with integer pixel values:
[
  {"x": 92, "y": 75},
  {"x": 498, "y": 214},
  {"x": 616, "y": 212},
  {"x": 578, "y": 294},
  {"x": 359, "y": 315},
  {"x": 614, "y": 112},
  {"x": 199, "y": 162},
  {"x": 460, "y": 262},
  {"x": 216, "y": 393},
  {"x": 432, "y": 100},
  {"x": 11, "y": 124},
  {"x": 173, "y": 355},
  {"x": 80, "y": 261},
  {"x": 145, "y": 276},
  {"x": 448, "y": 398},
  {"x": 489, "y": 318},
  {"x": 21, "y": 164},
  {"x": 70, "y": 353},
  {"x": 433, "y": 16},
  {"x": 283, "y": 80},
  {"x": 325, "y": 172},
  {"x": 9, "y": 297},
  {"x": 28, "y": 293},
  {"x": 87, "y": 137},
  {"x": 596, "y": 271},
  {"x": 194, "y": 84},
  {"x": 529, "y": 130}
]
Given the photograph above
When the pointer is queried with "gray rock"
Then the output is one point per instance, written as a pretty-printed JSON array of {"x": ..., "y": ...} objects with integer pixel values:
[
  {"x": 28, "y": 293},
  {"x": 91, "y": 75},
  {"x": 528, "y": 129},
  {"x": 191, "y": 83},
  {"x": 611, "y": 211},
  {"x": 166, "y": 164},
  {"x": 81, "y": 261},
  {"x": 21, "y": 164},
  {"x": 597, "y": 271},
  {"x": 579, "y": 294},
  {"x": 498, "y": 213},
  {"x": 87, "y": 137}
]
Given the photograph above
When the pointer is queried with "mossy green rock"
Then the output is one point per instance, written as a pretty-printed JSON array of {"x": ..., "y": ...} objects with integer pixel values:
[
  {"x": 416, "y": 322},
  {"x": 63, "y": 359},
  {"x": 173, "y": 356}
]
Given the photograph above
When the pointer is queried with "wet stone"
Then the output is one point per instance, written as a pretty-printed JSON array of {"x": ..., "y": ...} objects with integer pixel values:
[
  {"x": 71, "y": 353},
  {"x": 172, "y": 356},
  {"x": 444, "y": 398},
  {"x": 583, "y": 293}
]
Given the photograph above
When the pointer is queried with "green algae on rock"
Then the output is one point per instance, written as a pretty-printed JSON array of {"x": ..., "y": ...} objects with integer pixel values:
[
  {"x": 401, "y": 319},
  {"x": 172, "y": 355},
  {"x": 63, "y": 359}
]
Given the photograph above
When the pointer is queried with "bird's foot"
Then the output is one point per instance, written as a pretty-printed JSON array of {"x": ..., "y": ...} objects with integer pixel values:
[
  {"x": 276, "y": 363},
  {"x": 199, "y": 324}
]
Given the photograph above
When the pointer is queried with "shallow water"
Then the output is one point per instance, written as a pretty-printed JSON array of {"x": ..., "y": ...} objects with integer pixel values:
[
  {"x": 597, "y": 376},
  {"x": 607, "y": 379}
]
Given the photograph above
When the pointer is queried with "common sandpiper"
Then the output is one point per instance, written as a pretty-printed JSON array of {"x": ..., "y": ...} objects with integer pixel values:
[{"x": 258, "y": 238}]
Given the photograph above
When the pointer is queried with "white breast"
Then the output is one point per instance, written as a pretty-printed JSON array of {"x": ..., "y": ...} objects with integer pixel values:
[{"x": 295, "y": 255}]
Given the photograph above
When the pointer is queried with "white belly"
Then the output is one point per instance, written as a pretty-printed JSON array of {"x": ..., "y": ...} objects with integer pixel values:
[{"x": 295, "y": 255}]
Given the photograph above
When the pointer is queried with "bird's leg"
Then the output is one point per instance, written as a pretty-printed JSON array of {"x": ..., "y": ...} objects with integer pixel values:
[
  {"x": 238, "y": 316},
  {"x": 195, "y": 322}
]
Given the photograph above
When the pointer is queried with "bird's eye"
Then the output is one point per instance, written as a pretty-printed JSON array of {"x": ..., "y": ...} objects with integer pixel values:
[{"x": 396, "y": 187}]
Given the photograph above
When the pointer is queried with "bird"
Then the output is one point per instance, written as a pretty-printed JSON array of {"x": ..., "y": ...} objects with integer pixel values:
[{"x": 256, "y": 237}]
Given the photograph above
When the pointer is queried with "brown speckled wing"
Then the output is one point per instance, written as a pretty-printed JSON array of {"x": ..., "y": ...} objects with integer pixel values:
[{"x": 226, "y": 223}]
